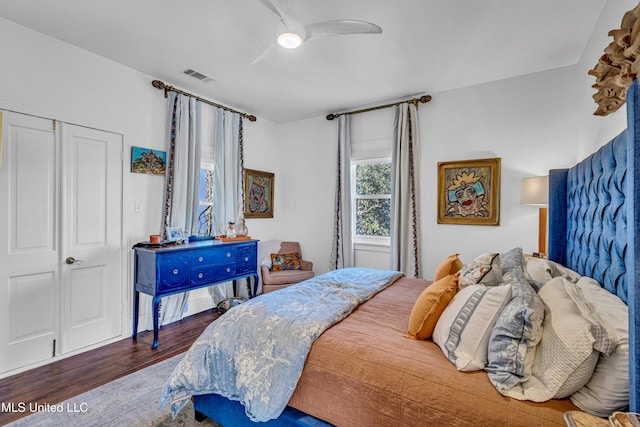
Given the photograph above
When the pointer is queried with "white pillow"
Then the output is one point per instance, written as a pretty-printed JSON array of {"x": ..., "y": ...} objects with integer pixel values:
[
  {"x": 608, "y": 389},
  {"x": 464, "y": 328},
  {"x": 560, "y": 270},
  {"x": 540, "y": 269},
  {"x": 566, "y": 355}
]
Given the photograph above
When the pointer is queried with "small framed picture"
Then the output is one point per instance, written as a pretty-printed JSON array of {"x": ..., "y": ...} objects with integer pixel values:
[
  {"x": 258, "y": 194},
  {"x": 146, "y": 160},
  {"x": 174, "y": 234}
]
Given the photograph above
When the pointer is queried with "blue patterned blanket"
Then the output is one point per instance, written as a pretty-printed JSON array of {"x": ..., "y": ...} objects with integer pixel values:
[{"x": 255, "y": 352}]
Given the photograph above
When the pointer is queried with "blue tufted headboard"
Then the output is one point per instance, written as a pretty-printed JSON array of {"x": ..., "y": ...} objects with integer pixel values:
[{"x": 594, "y": 223}]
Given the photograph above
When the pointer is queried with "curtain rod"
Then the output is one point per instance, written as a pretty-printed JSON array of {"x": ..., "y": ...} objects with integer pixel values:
[
  {"x": 160, "y": 85},
  {"x": 423, "y": 99}
]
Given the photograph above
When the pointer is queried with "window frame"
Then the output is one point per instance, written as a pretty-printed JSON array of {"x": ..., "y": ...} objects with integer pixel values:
[{"x": 359, "y": 239}]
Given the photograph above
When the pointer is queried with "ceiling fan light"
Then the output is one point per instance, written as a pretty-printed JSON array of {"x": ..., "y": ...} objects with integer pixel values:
[{"x": 289, "y": 40}]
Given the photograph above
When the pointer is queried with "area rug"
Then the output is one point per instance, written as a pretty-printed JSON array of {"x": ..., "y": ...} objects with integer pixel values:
[{"x": 128, "y": 401}]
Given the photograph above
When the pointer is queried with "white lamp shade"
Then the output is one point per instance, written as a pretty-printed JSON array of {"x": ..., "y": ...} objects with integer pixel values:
[{"x": 535, "y": 191}]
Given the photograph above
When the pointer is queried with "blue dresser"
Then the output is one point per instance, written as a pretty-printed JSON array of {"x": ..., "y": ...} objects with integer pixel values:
[{"x": 162, "y": 271}]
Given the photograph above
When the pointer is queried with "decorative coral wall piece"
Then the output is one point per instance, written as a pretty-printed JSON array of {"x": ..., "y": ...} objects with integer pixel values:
[{"x": 619, "y": 65}]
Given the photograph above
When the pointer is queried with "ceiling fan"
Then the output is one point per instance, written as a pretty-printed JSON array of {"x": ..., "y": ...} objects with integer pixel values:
[{"x": 291, "y": 33}]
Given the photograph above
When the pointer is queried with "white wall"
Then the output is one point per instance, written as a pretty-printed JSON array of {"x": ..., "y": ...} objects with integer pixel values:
[
  {"x": 302, "y": 157},
  {"x": 530, "y": 122}
]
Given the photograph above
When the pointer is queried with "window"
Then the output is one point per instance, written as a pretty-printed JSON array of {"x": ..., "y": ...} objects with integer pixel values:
[
  {"x": 372, "y": 200},
  {"x": 205, "y": 209}
]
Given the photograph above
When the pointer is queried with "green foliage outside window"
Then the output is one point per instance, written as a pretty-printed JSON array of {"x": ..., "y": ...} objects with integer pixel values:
[{"x": 373, "y": 199}]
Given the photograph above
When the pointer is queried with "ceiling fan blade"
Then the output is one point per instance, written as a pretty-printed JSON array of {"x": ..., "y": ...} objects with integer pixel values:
[
  {"x": 288, "y": 20},
  {"x": 263, "y": 55},
  {"x": 339, "y": 27},
  {"x": 272, "y": 7}
]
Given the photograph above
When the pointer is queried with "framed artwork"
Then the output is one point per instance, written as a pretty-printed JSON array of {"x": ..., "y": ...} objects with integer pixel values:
[
  {"x": 258, "y": 194},
  {"x": 469, "y": 192},
  {"x": 174, "y": 234},
  {"x": 146, "y": 160}
]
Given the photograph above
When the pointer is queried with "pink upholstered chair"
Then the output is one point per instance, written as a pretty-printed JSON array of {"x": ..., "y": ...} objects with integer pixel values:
[{"x": 273, "y": 280}]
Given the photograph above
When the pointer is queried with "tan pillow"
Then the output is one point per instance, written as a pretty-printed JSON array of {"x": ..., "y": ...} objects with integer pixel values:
[
  {"x": 449, "y": 265},
  {"x": 429, "y": 306}
]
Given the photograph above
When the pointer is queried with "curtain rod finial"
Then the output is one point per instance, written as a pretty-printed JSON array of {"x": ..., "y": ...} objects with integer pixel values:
[
  {"x": 331, "y": 116},
  {"x": 251, "y": 118},
  {"x": 158, "y": 84},
  {"x": 425, "y": 98}
]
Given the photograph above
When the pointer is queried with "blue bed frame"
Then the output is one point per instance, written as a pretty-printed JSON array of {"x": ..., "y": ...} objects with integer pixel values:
[{"x": 594, "y": 223}]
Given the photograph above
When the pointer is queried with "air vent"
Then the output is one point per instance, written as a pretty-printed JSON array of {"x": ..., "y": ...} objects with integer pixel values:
[{"x": 197, "y": 75}]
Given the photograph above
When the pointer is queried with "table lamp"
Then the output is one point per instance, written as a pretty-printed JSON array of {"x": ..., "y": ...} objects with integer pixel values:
[{"x": 535, "y": 192}]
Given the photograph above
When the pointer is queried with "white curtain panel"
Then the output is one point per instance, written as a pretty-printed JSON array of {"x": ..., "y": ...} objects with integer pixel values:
[
  {"x": 405, "y": 232},
  {"x": 181, "y": 195},
  {"x": 185, "y": 192},
  {"x": 342, "y": 251},
  {"x": 227, "y": 185},
  {"x": 227, "y": 170}
]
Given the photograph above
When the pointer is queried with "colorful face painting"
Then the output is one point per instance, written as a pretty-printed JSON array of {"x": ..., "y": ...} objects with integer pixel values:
[
  {"x": 466, "y": 194},
  {"x": 257, "y": 195}
]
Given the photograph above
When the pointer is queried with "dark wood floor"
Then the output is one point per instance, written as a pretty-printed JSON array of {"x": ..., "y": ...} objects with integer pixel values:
[{"x": 59, "y": 381}]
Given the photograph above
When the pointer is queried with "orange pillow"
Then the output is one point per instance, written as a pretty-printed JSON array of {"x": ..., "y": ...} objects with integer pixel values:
[
  {"x": 449, "y": 265},
  {"x": 429, "y": 306}
]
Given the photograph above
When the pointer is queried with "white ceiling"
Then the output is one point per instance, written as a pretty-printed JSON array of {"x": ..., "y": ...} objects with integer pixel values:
[{"x": 427, "y": 46}]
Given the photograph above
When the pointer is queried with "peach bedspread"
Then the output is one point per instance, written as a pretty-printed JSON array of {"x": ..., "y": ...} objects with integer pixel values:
[{"x": 364, "y": 372}]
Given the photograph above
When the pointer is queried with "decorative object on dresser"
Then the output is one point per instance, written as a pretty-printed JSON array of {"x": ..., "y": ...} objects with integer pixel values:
[
  {"x": 231, "y": 229},
  {"x": 241, "y": 228},
  {"x": 258, "y": 194},
  {"x": 469, "y": 192},
  {"x": 275, "y": 278},
  {"x": 161, "y": 272},
  {"x": 175, "y": 234}
]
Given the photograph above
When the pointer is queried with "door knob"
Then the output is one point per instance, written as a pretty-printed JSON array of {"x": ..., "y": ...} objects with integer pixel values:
[{"x": 71, "y": 260}]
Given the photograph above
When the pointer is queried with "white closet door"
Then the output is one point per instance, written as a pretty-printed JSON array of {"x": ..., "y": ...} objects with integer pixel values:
[
  {"x": 60, "y": 197},
  {"x": 29, "y": 245},
  {"x": 91, "y": 235}
]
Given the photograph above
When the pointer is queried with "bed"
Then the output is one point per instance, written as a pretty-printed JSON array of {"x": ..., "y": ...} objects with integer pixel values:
[{"x": 363, "y": 370}]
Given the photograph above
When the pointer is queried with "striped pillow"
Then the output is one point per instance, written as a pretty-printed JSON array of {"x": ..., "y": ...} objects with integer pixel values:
[{"x": 464, "y": 328}]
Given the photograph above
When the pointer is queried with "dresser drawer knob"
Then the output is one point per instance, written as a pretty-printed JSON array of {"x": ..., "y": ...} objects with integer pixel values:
[
  {"x": 200, "y": 275},
  {"x": 246, "y": 259},
  {"x": 228, "y": 269},
  {"x": 175, "y": 271},
  {"x": 228, "y": 254},
  {"x": 200, "y": 259}
]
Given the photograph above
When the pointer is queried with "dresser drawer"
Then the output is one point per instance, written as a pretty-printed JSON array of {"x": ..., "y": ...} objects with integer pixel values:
[
  {"x": 214, "y": 273},
  {"x": 246, "y": 260},
  {"x": 173, "y": 271},
  {"x": 212, "y": 257}
]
